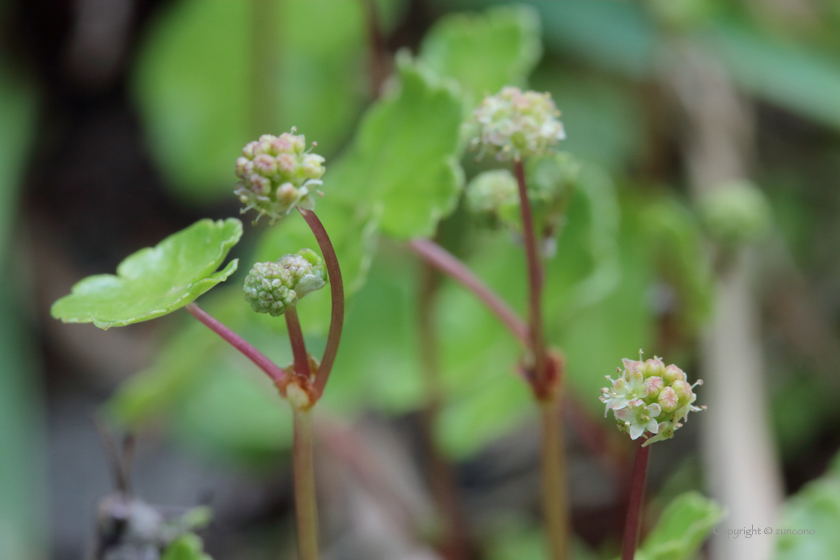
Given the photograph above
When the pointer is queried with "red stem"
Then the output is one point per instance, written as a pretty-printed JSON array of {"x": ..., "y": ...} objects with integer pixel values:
[
  {"x": 270, "y": 368},
  {"x": 634, "y": 508},
  {"x": 337, "y": 294},
  {"x": 298, "y": 344},
  {"x": 447, "y": 263},
  {"x": 534, "y": 281}
]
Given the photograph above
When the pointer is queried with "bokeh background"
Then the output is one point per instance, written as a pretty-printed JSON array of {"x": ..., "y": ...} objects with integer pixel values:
[{"x": 705, "y": 228}]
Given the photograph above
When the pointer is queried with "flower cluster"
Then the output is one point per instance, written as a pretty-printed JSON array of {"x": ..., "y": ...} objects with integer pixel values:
[
  {"x": 273, "y": 287},
  {"x": 650, "y": 397},
  {"x": 514, "y": 124},
  {"x": 278, "y": 174}
]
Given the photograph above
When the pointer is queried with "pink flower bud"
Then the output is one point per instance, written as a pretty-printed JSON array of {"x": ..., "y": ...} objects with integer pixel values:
[
  {"x": 654, "y": 385},
  {"x": 265, "y": 165},
  {"x": 673, "y": 373}
]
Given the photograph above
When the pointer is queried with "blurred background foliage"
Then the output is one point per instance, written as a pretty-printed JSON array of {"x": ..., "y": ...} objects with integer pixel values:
[{"x": 121, "y": 125}]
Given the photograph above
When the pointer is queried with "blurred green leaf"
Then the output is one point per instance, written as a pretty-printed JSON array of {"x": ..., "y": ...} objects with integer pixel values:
[
  {"x": 234, "y": 413},
  {"x": 595, "y": 338},
  {"x": 186, "y": 547},
  {"x": 678, "y": 256},
  {"x": 156, "y": 280},
  {"x": 213, "y": 75},
  {"x": 790, "y": 75},
  {"x": 22, "y": 512},
  {"x": 616, "y": 36},
  {"x": 602, "y": 117},
  {"x": 403, "y": 158},
  {"x": 486, "y": 51},
  {"x": 682, "y": 528},
  {"x": 814, "y": 508},
  {"x": 177, "y": 368}
]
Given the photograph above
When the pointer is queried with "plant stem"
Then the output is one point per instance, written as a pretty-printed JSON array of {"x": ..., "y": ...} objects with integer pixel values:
[
  {"x": 534, "y": 281},
  {"x": 447, "y": 263},
  {"x": 378, "y": 66},
  {"x": 298, "y": 344},
  {"x": 546, "y": 390},
  {"x": 306, "y": 508},
  {"x": 270, "y": 368},
  {"x": 553, "y": 471},
  {"x": 337, "y": 294},
  {"x": 634, "y": 507},
  {"x": 439, "y": 472}
]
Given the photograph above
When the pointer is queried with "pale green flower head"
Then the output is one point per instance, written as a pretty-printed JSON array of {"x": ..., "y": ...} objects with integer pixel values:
[
  {"x": 650, "y": 399},
  {"x": 516, "y": 125},
  {"x": 278, "y": 174},
  {"x": 273, "y": 287},
  {"x": 492, "y": 193},
  {"x": 735, "y": 213}
]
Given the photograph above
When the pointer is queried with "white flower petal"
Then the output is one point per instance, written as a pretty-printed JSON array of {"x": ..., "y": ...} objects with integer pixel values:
[
  {"x": 636, "y": 430},
  {"x": 654, "y": 410}
]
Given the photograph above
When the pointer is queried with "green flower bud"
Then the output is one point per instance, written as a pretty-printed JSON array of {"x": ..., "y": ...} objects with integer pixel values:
[
  {"x": 278, "y": 175},
  {"x": 653, "y": 367},
  {"x": 683, "y": 391},
  {"x": 736, "y": 213},
  {"x": 668, "y": 400},
  {"x": 272, "y": 287},
  {"x": 490, "y": 193},
  {"x": 514, "y": 124}
]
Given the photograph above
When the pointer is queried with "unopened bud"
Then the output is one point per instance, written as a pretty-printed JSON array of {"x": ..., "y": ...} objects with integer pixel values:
[
  {"x": 683, "y": 391},
  {"x": 273, "y": 287},
  {"x": 668, "y": 400},
  {"x": 673, "y": 373}
]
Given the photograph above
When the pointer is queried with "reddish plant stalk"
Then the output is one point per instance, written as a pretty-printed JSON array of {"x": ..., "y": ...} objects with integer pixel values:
[
  {"x": 634, "y": 507},
  {"x": 534, "y": 281},
  {"x": 447, "y": 263},
  {"x": 276, "y": 373},
  {"x": 298, "y": 344},
  {"x": 337, "y": 295}
]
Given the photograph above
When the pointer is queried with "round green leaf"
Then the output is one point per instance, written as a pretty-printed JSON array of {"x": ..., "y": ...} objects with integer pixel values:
[{"x": 156, "y": 280}]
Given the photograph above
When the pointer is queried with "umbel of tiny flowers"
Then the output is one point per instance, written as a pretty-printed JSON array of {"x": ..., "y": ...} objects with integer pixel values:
[
  {"x": 273, "y": 287},
  {"x": 649, "y": 397},
  {"x": 516, "y": 125},
  {"x": 278, "y": 174}
]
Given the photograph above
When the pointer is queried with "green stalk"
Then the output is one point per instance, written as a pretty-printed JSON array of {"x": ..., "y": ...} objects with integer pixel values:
[
  {"x": 553, "y": 478},
  {"x": 306, "y": 508},
  {"x": 546, "y": 390}
]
